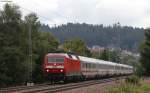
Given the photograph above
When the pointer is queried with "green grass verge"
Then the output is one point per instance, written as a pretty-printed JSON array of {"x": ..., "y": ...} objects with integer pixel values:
[
  {"x": 145, "y": 88},
  {"x": 130, "y": 88}
]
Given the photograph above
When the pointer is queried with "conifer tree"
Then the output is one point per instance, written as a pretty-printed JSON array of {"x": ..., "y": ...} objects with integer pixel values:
[{"x": 145, "y": 52}]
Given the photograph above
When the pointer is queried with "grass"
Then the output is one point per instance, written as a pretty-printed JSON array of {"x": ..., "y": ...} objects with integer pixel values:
[
  {"x": 124, "y": 88},
  {"x": 128, "y": 87},
  {"x": 145, "y": 88}
]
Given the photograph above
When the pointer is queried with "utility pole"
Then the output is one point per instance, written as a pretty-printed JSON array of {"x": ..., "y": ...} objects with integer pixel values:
[
  {"x": 119, "y": 46},
  {"x": 30, "y": 81}
]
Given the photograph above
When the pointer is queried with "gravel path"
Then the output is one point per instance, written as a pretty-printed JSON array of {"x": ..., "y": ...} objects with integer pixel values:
[
  {"x": 147, "y": 80},
  {"x": 98, "y": 88}
]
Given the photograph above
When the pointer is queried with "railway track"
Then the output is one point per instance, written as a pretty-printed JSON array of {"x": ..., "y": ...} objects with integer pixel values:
[
  {"x": 45, "y": 88},
  {"x": 19, "y": 88}
]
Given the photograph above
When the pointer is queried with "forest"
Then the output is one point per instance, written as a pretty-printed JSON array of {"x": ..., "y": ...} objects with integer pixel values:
[{"x": 115, "y": 36}]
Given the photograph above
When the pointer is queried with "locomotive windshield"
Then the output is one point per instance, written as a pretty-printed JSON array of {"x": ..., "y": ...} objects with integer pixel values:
[{"x": 55, "y": 59}]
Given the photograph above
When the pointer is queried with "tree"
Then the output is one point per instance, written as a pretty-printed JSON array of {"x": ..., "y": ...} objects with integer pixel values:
[
  {"x": 76, "y": 46},
  {"x": 12, "y": 59},
  {"x": 14, "y": 46},
  {"x": 115, "y": 56},
  {"x": 105, "y": 55},
  {"x": 110, "y": 55},
  {"x": 145, "y": 52}
]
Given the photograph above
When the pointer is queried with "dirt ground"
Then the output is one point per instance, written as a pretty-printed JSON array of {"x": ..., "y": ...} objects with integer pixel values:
[
  {"x": 147, "y": 80},
  {"x": 98, "y": 88}
]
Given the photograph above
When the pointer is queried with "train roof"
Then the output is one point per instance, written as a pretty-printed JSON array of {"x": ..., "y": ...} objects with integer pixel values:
[
  {"x": 64, "y": 54},
  {"x": 89, "y": 60},
  {"x": 92, "y": 60}
]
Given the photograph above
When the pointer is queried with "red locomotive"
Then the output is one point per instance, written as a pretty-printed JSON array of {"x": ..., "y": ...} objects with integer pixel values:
[
  {"x": 63, "y": 66},
  {"x": 60, "y": 66}
]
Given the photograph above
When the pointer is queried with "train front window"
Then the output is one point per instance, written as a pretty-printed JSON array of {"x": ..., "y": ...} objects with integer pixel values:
[{"x": 56, "y": 60}]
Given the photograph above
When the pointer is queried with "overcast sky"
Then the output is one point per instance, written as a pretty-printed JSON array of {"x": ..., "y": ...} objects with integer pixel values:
[{"x": 128, "y": 12}]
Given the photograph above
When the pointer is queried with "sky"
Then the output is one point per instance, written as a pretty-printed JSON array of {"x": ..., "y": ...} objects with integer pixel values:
[{"x": 134, "y": 13}]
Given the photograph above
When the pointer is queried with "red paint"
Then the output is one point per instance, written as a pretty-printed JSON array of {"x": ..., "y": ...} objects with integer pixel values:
[{"x": 70, "y": 65}]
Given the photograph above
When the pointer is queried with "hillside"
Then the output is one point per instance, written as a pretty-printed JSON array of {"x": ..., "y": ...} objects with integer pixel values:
[{"x": 115, "y": 36}]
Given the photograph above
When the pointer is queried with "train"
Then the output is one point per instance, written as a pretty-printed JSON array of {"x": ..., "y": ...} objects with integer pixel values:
[{"x": 66, "y": 67}]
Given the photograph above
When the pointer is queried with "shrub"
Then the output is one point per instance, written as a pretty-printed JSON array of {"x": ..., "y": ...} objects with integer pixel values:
[
  {"x": 133, "y": 80},
  {"x": 124, "y": 88}
]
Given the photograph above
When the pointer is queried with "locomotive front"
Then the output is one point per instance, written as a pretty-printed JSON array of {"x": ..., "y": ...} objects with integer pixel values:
[{"x": 54, "y": 67}]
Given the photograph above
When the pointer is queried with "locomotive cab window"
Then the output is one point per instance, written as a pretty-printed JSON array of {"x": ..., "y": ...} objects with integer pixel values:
[{"x": 61, "y": 59}]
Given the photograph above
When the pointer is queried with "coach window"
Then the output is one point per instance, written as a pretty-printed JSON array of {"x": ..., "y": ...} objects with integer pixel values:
[
  {"x": 103, "y": 66},
  {"x": 117, "y": 67},
  {"x": 123, "y": 68},
  {"x": 96, "y": 65},
  {"x": 82, "y": 65},
  {"x": 99, "y": 65},
  {"x": 86, "y": 65},
  {"x": 109, "y": 66},
  {"x": 89, "y": 65},
  {"x": 92, "y": 65}
]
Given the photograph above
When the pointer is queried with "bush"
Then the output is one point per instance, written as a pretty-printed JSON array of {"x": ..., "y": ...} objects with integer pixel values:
[
  {"x": 124, "y": 88},
  {"x": 133, "y": 80}
]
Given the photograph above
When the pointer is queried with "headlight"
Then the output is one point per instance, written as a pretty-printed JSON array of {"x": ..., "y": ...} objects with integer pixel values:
[
  {"x": 47, "y": 70},
  {"x": 61, "y": 70}
]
